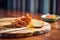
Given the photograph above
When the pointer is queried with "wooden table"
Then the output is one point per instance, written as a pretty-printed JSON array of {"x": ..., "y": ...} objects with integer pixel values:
[{"x": 54, "y": 34}]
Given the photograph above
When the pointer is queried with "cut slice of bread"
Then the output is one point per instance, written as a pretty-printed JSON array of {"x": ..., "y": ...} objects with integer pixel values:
[
  {"x": 37, "y": 23},
  {"x": 2, "y": 24}
]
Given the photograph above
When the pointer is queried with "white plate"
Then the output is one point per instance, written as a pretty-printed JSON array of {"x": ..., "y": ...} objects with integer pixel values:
[{"x": 44, "y": 16}]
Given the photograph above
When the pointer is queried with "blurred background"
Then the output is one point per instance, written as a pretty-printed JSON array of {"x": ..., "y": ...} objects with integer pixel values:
[{"x": 31, "y": 6}]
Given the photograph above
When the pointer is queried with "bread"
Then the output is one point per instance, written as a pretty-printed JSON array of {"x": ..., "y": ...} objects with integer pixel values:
[{"x": 37, "y": 23}]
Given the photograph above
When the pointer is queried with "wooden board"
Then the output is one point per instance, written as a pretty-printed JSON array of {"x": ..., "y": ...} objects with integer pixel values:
[{"x": 26, "y": 31}]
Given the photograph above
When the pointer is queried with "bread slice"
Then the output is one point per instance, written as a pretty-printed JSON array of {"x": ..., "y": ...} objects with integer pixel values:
[
  {"x": 37, "y": 23},
  {"x": 3, "y": 24}
]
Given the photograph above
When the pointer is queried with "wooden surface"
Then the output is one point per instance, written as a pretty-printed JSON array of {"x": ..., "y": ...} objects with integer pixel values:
[
  {"x": 27, "y": 32},
  {"x": 54, "y": 34}
]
